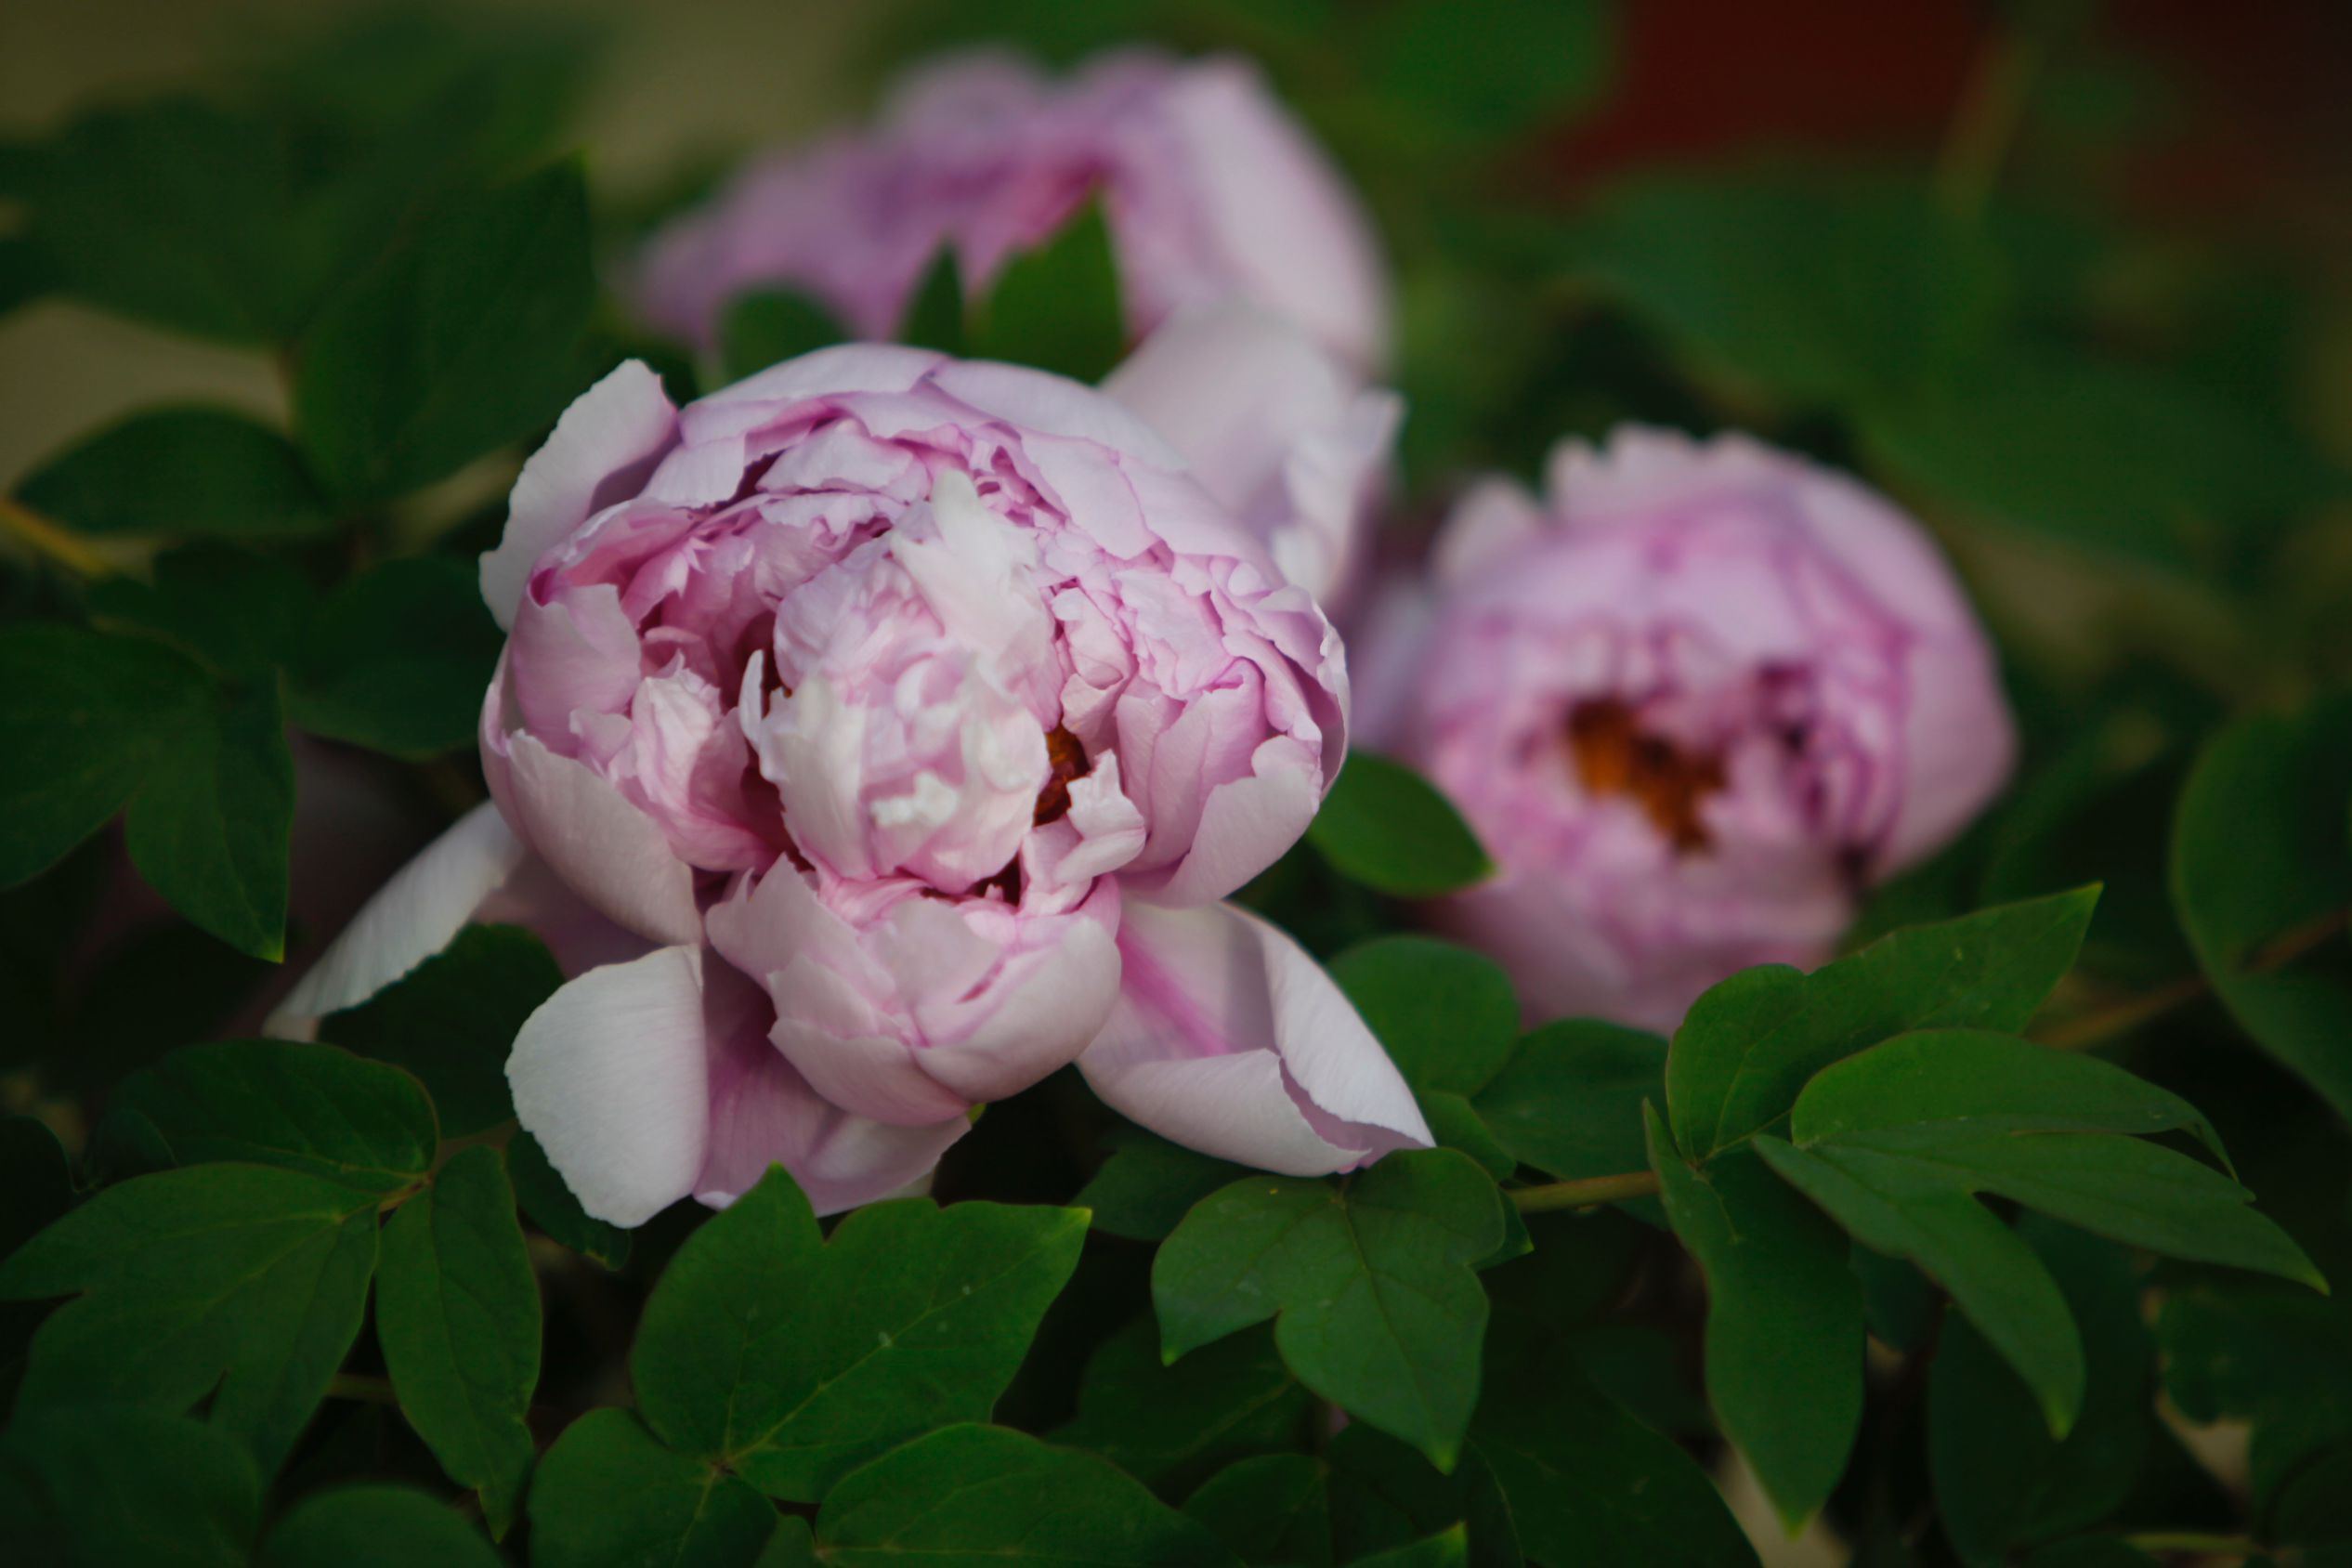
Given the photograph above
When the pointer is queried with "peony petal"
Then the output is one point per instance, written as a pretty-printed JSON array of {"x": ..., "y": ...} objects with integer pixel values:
[
  {"x": 612, "y": 854},
  {"x": 1055, "y": 405},
  {"x": 764, "y": 1113},
  {"x": 1034, "y": 1024},
  {"x": 412, "y": 917},
  {"x": 603, "y": 448},
  {"x": 1229, "y": 1039},
  {"x": 611, "y": 1076},
  {"x": 1247, "y": 825}
]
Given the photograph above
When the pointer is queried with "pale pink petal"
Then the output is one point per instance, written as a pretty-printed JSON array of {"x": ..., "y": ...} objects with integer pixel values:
[
  {"x": 602, "y": 450},
  {"x": 1031, "y": 1021},
  {"x": 613, "y": 854},
  {"x": 412, "y": 917},
  {"x": 611, "y": 1076},
  {"x": 1247, "y": 825},
  {"x": 1227, "y": 1037}
]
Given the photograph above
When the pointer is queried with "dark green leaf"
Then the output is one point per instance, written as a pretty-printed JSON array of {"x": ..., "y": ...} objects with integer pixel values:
[
  {"x": 609, "y": 1496},
  {"x": 1385, "y": 826},
  {"x": 1587, "y": 1485},
  {"x": 1385, "y": 1496},
  {"x": 239, "y": 614},
  {"x": 138, "y": 1486},
  {"x": 1817, "y": 291},
  {"x": 1376, "y": 1302},
  {"x": 463, "y": 340},
  {"x": 457, "y": 1315},
  {"x": 1446, "y": 1016},
  {"x": 452, "y": 1020},
  {"x": 397, "y": 659},
  {"x": 549, "y": 1205},
  {"x": 1448, "y": 1548},
  {"x": 791, "y": 1359},
  {"x": 209, "y": 828},
  {"x": 1168, "y": 1426},
  {"x": 2096, "y": 453},
  {"x": 36, "y": 1186},
  {"x": 1894, "y": 1144},
  {"x": 1570, "y": 1102},
  {"x": 1058, "y": 306},
  {"x": 85, "y": 721},
  {"x": 374, "y": 1527},
  {"x": 2262, "y": 875},
  {"x": 182, "y": 473},
  {"x": 772, "y": 326},
  {"x": 934, "y": 315},
  {"x": 268, "y": 1102},
  {"x": 1749, "y": 1044},
  {"x": 2001, "y": 1480},
  {"x": 1490, "y": 68},
  {"x": 241, "y": 1281},
  {"x": 1270, "y": 1511},
  {"x": 1783, "y": 1323},
  {"x": 181, "y": 213},
  {"x": 971, "y": 1496},
  {"x": 1145, "y": 1187}
]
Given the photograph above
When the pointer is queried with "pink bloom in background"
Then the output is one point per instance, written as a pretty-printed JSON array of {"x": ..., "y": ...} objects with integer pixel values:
[
  {"x": 874, "y": 737},
  {"x": 1211, "y": 190},
  {"x": 1694, "y": 704}
]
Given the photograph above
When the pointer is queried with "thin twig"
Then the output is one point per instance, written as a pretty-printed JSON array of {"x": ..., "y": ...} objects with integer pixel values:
[
  {"x": 2103, "y": 1024},
  {"x": 44, "y": 537},
  {"x": 1991, "y": 108},
  {"x": 1587, "y": 1193}
]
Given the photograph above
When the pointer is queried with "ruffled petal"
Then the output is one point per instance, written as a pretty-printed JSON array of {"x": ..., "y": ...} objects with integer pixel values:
[
  {"x": 1227, "y": 1037},
  {"x": 613, "y": 854}
]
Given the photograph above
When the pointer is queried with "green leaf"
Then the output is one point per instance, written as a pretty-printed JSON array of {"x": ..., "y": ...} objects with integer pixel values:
[
  {"x": 457, "y": 1315},
  {"x": 269, "y": 1102},
  {"x": 36, "y": 1185},
  {"x": 1446, "y": 1016},
  {"x": 791, "y": 1359},
  {"x": 2098, "y": 455},
  {"x": 1570, "y": 1102},
  {"x": 241, "y": 1281},
  {"x": 1170, "y": 1426},
  {"x": 1818, "y": 291},
  {"x": 1448, "y": 1019},
  {"x": 452, "y": 1020},
  {"x": 238, "y": 614},
  {"x": 182, "y": 473},
  {"x": 463, "y": 340},
  {"x": 138, "y": 1486},
  {"x": 771, "y": 326},
  {"x": 2262, "y": 875},
  {"x": 607, "y": 1495},
  {"x": 1387, "y": 827},
  {"x": 1373, "y": 1288},
  {"x": 1145, "y": 1188},
  {"x": 209, "y": 829},
  {"x": 1896, "y": 1142},
  {"x": 1783, "y": 1323},
  {"x": 934, "y": 313},
  {"x": 1448, "y": 1548},
  {"x": 1058, "y": 306},
  {"x": 181, "y": 213},
  {"x": 374, "y": 1527},
  {"x": 2001, "y": 1480},
  {"x": 84, "y": 720},
  {"x": 1488, "y": 69},
  {"x": 973, "y": 1496},
  {"x": 1385, "y": 1496},
  {"x": 1270, "y": 1510},
  {"x": 1750, "y": 1044},
  {"x": 1589, "y": 1484},
  {"x": 549, "y": 1205},
  {"x": 397, "y": 659}
]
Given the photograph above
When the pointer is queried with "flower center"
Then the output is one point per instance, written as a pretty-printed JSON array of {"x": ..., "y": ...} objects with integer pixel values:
[
  {"x": 1068, "y": 760},
  {"x": 1614, "y": 756}
]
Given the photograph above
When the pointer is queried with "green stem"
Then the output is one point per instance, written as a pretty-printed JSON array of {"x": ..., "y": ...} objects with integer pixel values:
[
  {"x": 44, "y": 537},
  {"x": 1586, "y": 1193},
  {"x": 359, "y": 1386},
  {"x": 1992, "y": 106},
  {"x": 2103, "y": 1024}
]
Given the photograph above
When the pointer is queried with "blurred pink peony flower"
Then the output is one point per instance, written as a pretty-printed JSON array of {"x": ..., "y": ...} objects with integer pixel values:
[
  {"x": 849, "y": 719},
  {"x": 1210, "y": 189},
  {"x": 1692, "y": 708}
]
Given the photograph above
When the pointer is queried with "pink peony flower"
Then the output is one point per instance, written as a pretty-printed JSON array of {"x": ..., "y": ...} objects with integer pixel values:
[
  {"x": 1210, "y": 189},
  {"x": 862, "y": 728},
  {"x": 1693, "y": 707}
]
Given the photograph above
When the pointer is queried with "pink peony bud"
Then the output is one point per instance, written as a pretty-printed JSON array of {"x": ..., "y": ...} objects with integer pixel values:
[
  {"x": 1210, "y": 189},
  {"x": 845, "y": 715},
  {"x": 1693, "y": 709}
]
